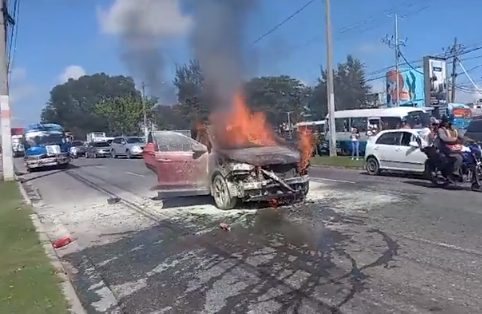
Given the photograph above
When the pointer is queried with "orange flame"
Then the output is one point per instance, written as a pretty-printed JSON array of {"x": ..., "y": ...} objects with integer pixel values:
[
  {"x": 241, "y": 127},
  {"x": 306, "y": 146}
]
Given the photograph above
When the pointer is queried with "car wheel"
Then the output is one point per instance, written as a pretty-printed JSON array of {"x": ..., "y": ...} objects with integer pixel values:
[
  {"x": 112, "y": 154},
  {"x": 128, "y": 154},
  {"x": 220, "y": 192},
  {"x": 372, "y": 166}
]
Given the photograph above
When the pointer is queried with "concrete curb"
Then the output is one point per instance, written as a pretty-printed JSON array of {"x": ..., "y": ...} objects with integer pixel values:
[
  {"x": 337, "y": 167},
  {"x": 67, "y": 287}
]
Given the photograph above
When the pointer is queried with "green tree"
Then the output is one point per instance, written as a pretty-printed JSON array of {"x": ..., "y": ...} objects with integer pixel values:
[
  {"x": 72, "y": 104},
  {"x": 350, "y": 87},
  {"x": 190, "y": 85},
  {"x": 277, "y": 95},
  {"x": 124, "y": 115}
]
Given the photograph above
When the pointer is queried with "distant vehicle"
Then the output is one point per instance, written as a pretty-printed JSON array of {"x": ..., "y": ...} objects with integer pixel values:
[
  {"x": 397, "y": 150},
  {"x": 381, "y": 119},
  {"x": 78, "y": 149},
  {"x": 96, "y": 137},
  {"x": 97, "y": 149},
  {"x": 318, "y": 126},
  {"x": 474, "y": 130},
  {"x": 46, "y": 145},
  {"x": 17, "y": 142},
  {"x": 460, "y": 116},
  {"x": 128, "y": 146}
]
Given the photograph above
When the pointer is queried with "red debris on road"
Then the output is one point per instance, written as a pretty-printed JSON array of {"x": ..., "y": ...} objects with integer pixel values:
[{"x": 61, "y": 242}]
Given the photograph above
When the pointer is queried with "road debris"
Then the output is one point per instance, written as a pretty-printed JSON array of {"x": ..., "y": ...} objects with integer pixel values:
[
  {"x": 225, "y": 226},
  {"x": 113, "y": 200},
  {"x": 61, "y": 242}
]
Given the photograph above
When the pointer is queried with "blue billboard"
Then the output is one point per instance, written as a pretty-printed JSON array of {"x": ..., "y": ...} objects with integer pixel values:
[{"x": 411, "y": 88}]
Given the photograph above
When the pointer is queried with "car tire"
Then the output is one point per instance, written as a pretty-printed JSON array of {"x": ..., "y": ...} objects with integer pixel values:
[
  {"x": 221, "y": 195},
  {"x": 372, "y": 166},
  {"x": 113, "y": 154},
  {"x": 128, "y": 154}
]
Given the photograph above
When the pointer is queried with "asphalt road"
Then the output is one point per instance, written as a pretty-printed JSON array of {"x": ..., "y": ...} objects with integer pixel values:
[{"x": 360, "y": 244}]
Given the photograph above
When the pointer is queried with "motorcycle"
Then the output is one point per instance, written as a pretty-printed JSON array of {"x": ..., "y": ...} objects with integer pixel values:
[{"x": 439, "y": 167}]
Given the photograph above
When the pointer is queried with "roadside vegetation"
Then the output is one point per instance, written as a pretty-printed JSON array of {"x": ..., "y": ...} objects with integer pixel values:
[
  {"x": 28, "y": 283},
  {"x": 339, "y": 161}
]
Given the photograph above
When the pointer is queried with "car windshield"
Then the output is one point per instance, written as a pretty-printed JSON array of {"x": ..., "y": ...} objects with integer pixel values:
[
  {"x": 134, "y": 140},
  {"x": 101, "y": 144},
  {"x": 46, "y": 139}
]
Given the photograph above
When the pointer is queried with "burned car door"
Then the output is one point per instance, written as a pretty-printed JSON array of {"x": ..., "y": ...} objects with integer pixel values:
[{"x": 179, "y": 162}]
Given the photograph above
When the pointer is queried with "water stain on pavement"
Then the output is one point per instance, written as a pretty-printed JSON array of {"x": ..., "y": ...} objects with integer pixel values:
[{"x": 268, "y": 264}]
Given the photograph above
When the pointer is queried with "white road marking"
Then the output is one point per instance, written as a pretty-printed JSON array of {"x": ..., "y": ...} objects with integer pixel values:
[
  {"x": 332, "y": 180},
  {"x": 442, "y": 244},
  {"x": 135, "y": 174},
  {"x": 100, "y": 167}
]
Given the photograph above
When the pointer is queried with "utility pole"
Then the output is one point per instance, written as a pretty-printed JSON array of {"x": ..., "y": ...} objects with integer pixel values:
[
  {"x": 146, "y": 131},
  {"x": 329, "y": 75},
  {"x": 454, "y": 52},
  {"x": 394, "y": 42},
  {"x": 7, "y": 153}
]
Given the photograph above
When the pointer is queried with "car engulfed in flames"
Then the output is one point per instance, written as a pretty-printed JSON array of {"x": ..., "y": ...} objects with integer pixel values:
[{"x": 239, "y": 159}]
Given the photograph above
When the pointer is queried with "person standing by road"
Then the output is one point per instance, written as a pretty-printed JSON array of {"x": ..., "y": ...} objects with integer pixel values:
[{"x": 355, "y": 144}]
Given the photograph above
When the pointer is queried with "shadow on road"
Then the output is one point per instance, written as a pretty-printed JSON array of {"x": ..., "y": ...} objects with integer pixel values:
[
  {"x": 184, "y": 201},
  {"x": 430, "y": 185},
  {"x": 267, "y": 256}
]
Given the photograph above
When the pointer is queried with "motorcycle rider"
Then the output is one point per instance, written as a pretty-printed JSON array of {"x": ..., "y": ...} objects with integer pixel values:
[{"x": 449, "y": 144}]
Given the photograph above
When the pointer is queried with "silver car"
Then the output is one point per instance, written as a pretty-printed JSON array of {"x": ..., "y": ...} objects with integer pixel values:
[
  {"x": 128, "y": 146},
  {"x": 97, "y": 149}
]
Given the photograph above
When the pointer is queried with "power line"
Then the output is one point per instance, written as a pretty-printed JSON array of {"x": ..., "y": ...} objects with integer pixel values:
[
  {"x": 408, "y": 63},
  {"x": 287, "y": 19},
  {"x": 13, "y": 34}
]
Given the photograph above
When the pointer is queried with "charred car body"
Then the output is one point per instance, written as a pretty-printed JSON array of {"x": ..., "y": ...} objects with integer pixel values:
[{"x": 187, "y": 167}]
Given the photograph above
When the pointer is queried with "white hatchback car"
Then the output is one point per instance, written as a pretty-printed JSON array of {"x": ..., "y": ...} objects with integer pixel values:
[{"x": 396, "y": 150}]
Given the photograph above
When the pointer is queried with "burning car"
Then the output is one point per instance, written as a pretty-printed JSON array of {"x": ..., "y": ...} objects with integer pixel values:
[
  {"x": 239, "y": 157},
  {"x": 186, "y": 167}
]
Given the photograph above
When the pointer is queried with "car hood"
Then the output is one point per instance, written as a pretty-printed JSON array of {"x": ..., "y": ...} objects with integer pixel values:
[
  {"x": 141, "y": 145},
  {"x": 262, "y": 156}
]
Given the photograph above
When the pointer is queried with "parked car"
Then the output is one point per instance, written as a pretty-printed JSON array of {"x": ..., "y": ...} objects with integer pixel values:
[
  {"x": 98, "y": 149},
  {"x": 128, "y": 146},
  {"x": 78, "y": 149},
  {"x": 185, "y": 167},
  {"x": 474, "y": 130},
  {"x": 395, "y": 150}
]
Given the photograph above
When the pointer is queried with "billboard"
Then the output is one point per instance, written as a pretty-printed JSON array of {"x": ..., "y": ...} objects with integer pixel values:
[
  {"x": 435, "y": 70},
  {"x": 410, "y": 86}
]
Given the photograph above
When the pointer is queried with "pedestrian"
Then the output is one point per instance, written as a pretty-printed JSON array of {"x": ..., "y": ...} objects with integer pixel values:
[{"x": 355, "y": 144}]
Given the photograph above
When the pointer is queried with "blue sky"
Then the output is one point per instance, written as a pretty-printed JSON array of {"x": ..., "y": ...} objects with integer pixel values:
[{"x": 54, "y": 35}]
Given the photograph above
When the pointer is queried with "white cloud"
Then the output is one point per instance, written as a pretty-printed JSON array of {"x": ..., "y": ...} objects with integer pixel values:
[
  {"x": 71, "y": 72},
  {"x": 154, "y": 18}
]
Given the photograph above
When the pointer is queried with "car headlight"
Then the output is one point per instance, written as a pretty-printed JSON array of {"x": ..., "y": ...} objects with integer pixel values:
[
  {"x": 73, "y": 150},
  {"x": 136, "y": 149}
]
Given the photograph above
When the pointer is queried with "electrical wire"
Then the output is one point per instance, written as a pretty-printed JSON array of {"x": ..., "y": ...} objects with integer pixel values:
[
  {"x": 12, "y": 45},
  {"x": 407, "y": 62},
  {"x": 287, "y": 19}
]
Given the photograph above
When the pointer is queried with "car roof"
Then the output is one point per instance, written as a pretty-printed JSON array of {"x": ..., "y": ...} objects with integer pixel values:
[{"x": 414, "y": 131}]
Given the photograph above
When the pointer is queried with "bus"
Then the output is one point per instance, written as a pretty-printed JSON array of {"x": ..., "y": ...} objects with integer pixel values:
[
  {"x": 369, "y": 120},
  {"x": 313, "y": 126}
]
